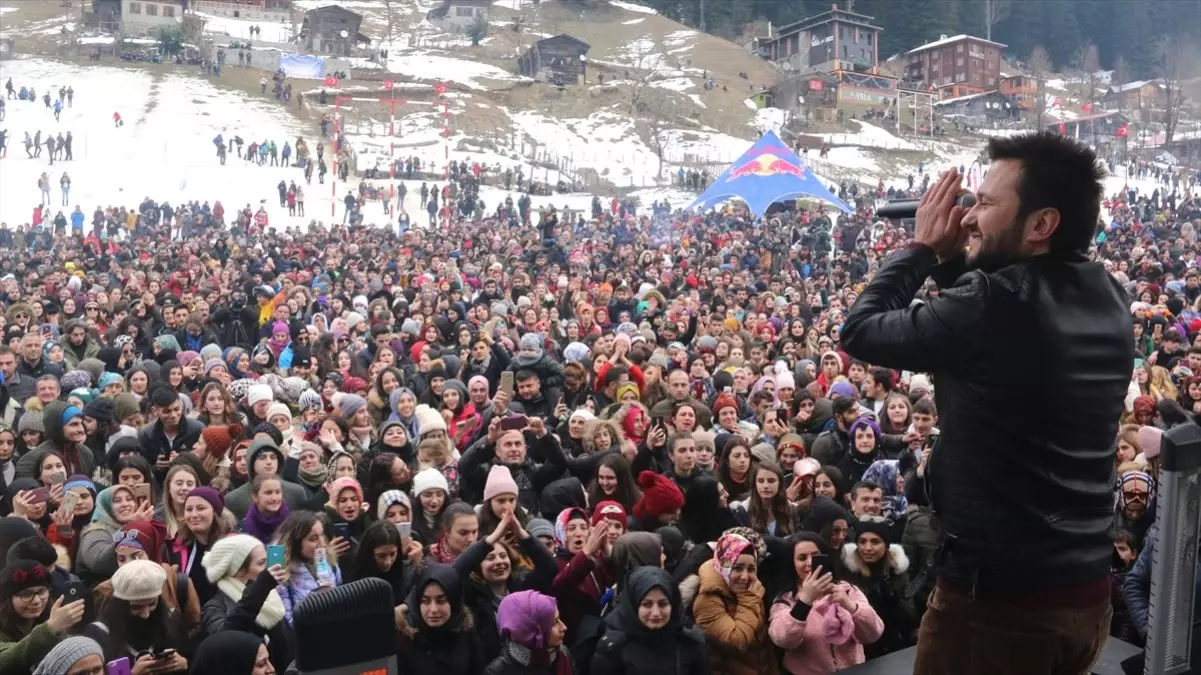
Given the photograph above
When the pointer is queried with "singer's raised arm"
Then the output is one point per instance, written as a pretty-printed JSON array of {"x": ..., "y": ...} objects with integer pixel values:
[{"x": 885, "y": 327}]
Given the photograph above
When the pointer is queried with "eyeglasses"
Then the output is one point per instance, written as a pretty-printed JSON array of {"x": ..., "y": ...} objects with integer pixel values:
[{"x": 30, "y": 594}]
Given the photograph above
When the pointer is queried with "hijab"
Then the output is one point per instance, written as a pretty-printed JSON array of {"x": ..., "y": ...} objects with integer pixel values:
[
  {"x": 884, "y": 473},
  {"x": 229, "y": 652},
  {"x": 729, "y": 547},
  {"x": 446, "y": 577},
  {"x": 638, "y": 583}
]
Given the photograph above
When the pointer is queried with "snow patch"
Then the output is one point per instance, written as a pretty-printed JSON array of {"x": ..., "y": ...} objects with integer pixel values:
[
  {"x": 680, "y": 84},
  {"x": 424, "y": 65},
  {"x": 872, "y": 136},
  {"x": 631, "y": 22},
  {"x": 6, "y": 10},
  {"x": 750, "y": 104},
  {"x": 631, "y": 7},
  {"x": 240, "y": 28}
]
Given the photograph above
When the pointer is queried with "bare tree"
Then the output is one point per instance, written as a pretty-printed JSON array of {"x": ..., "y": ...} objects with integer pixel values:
[
  {"x": 656, "y": 109},
  {"x": 995, "y": 11},
  {"x": 1121, "y": 75},
  {"x": 1040, "y": 66},
  {"x": 1178, "y": 60},
  {"x": 1089, "y": 62},
  {"x": 650, "y": 67},
  {"x": 388, "y": 10}
]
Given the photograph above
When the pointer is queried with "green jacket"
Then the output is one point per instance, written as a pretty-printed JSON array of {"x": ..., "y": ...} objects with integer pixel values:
[{"x": 24, "y": 656}]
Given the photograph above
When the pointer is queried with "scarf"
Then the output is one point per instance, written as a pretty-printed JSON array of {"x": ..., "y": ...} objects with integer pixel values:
[
  {"x": 541, "y": 658},
  {"x": 270, "y": 614},
  {"x": 262, "y": 526},
  {"x": 440, "y": 551},
  {"x": 278, "y": 348},
  {"x": 314, "y": 478},
  {"x": 837, "y": 623}
]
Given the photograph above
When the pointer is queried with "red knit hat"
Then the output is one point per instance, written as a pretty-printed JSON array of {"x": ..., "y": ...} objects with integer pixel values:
[
  {"x": 609, "y": 510},
  {"x": 219, "y": 439},
  {"x": 724, "y": 400},
  {"x": 659, "y": 496}
]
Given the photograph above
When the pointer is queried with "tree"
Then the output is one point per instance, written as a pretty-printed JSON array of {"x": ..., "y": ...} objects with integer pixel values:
[
  {"x": 649, "y": 67},
  {"x": 170, "y": 40},
  {"x": 1040, "y": 66},
  {"x": 478, "y": 30},
  {"x": 1178, "y": 61},
  {"x": 656, "y": 110},
  {"x": 1089, "y": 62},
  {"x": 995, "y": 11}
]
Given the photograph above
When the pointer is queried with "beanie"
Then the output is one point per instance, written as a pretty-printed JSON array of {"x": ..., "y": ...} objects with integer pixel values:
[
  {"x": 218, "y": 440},
  {"x": 349, "y": 404},
  {"x": 210, "y": 495},
  {"x": 146, "y": 535},
  {"x": 109, "y": 379},
  {"x": 608, "y": 510},
  {"x": 23, "y": 575},
  {"x": 428, "y": 420},
  {"x": 75, "y": 379},
  {"x": 278, "y": 409},
  {"x": 310, "y": 400},
  {"x": 66, "y": 654},
  {"x": 139, "y": 581},
  {"x": 540, "y": 527},
  {"x": 1149, "y": 440},
  {"x": 259, "y": 392},
  {"x": 429, "y": 479},
  {"x": 625, "y": 387},
  {"x": 127, "y": 406},
  {"x": 577, "y": 352},
  {"x": 920, "y": 382},
  {"x": 31, "y": 421},
  {"x": 723, "y": 401},
  {"x": 101, "y": 410},
  {"x": 843, "y": 389},
  {"x": 659, "y": 495},
  {"x": 238, "y": 389},
  {"x": 531, "y": 342},
  {"x": 389, "y": 498},
  {"x": 500, "y": 482},
  {"x": 227, "y": 555},
  {"x": 344, "y": 483}
]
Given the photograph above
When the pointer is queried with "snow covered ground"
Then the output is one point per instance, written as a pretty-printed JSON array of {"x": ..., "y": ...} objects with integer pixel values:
[
  {"x": 240, "y": 28},
  {"x": 422, "y": 64},
  {"x": 631, "y": 7}
]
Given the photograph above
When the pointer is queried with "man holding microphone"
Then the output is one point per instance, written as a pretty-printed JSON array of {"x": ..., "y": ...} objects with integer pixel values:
[{"x": 1030, "y": 346}]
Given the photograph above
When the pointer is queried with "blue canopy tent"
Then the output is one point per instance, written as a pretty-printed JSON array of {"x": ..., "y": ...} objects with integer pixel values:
[{"x": 767, "y": 173}]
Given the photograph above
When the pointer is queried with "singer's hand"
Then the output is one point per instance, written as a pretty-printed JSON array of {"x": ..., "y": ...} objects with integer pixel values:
[{"x": 938, "y": 217}]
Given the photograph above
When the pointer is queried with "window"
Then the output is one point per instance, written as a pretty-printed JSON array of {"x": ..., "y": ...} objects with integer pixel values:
[
  {"x": 151, "y": 9},
  {"x": 962, "y": 77},
  {"x": 992, "y": 81},
  {"x": 135, "y": 8},
  {"x": 959, "y": 61},
  {"x": 465, "y": 11},
  {"x": 959, "y": 48},
  {"x": 169, "y": 11}
]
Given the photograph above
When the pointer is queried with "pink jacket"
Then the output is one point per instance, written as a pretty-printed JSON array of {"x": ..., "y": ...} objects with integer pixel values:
[{"x": 806, "y": 649}]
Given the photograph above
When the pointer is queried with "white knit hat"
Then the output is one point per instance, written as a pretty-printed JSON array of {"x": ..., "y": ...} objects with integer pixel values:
[
  {"x": 390, "y": 497},
  {"x": 228, "y": 555},
  {"x": 428, "y": 479},
  {"x": 138, "y": 581},
  {"x": 259, "y": 392},
  {"x": 278, "y": 408},
  {"x": 428, "y": 420}
]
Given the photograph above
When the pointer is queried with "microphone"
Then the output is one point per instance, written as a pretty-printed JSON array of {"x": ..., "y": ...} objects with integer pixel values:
[
  {"x": 347, "y": 630},
  {"x": 907, "y": 208}
]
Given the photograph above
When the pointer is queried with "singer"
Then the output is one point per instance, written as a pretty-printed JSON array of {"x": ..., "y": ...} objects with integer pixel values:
[{"x": 1030, "y": 347}]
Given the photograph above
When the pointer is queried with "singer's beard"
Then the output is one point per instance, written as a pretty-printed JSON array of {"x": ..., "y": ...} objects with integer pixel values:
[{"x": 997, "y": 251}]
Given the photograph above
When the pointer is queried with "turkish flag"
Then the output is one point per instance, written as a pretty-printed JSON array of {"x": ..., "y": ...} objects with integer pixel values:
[
  {"x": 439, "y": 89},
  {"x": 388, "y": 84},
  {"x": 331, "y": 81},
  {"x": 1087, "y": 107},
  {"x": 1063, "y": 128},
  {"x": 1121, "y": 132}
]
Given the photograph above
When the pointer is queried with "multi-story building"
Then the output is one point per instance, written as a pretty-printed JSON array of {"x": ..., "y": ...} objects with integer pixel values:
[
  {"x": 956, "y": 66},
  {"x": 145, "y": 17},
  {"x": 827, "y": 42}
]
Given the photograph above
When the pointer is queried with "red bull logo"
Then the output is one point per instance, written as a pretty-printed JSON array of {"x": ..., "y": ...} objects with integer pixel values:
[{"x": 767, "y": 165}]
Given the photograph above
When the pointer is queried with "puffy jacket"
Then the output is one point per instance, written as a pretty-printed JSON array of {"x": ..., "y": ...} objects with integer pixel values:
[
  {"x": 884, "y": 585},
  {"x": 802, "y": 635},
  {"x": 223, "y": 613},
  {"x": 734, "y": 626},
  {"x": 1137, "y": 588},
  {"x": 1033, "y": 339}
]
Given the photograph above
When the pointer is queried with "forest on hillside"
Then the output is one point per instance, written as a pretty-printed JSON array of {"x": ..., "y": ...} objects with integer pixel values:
[{"x": 1127, "y": 33}]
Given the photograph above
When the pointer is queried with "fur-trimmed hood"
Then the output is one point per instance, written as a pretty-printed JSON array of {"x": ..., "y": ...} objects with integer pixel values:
[{"x": 895, "y": 560}]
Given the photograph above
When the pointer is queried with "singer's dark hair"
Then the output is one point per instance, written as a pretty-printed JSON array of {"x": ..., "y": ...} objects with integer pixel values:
[{"x": 1057, "y": 173}]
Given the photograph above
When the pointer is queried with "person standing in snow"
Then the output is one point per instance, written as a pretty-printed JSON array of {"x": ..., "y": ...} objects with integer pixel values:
[
  {"x": 58, "y": 109},
  {"x": 59, "y": 142},
  {"x": 263, "y": 84},
  {"x": 28, "y": 145},
  {"x": 300, "y": 199},
  {"x": 286, "y": 154},
  {"x": 70, "y": 96},
  {"x": 290, "y": 198},
  {"x": 8, "y": 88},
  {"x": 37, "y": 144},
  {"x": 308, "y": 172},
  {"x": 3, "y": 143},
  {"x": 117, "y": 119},
  {"x": 283, "y": 193},
  {"x": 67, "y": 142},
  {"x": 65, "y": 184},
  {"x": 50, "y": 148},
  {"x": 44, "y": 186},
  {"x": 77, "y": 219},
  {"x": 321, "y": 171}
]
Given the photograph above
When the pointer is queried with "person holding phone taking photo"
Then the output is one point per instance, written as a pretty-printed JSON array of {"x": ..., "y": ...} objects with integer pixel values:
[
  {"x": 822, "y": 623},
  {"x": 27, "y": 632},
  {"x": 248, "y": 598}
]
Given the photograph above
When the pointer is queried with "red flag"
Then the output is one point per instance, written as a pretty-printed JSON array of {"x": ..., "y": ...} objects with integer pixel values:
[
  {"x": 439, "y": 89},
  {"x": 1121, "y": 132},
  {"x": 331, "y": 81},
  {"x": 1087, "y": 107},
  {"x": 388, "y": 84},
  {"x": 1063, "y": 128}
]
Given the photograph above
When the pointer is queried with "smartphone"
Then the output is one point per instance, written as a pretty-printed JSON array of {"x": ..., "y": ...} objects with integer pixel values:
[
  {"x": 38, "y": 496},
  {"x": 342, "y": 530},
  {"x": 119, "y": 667},
  {"x": 514, "y": 422},
  {"x": 506, "y": 383},
  {"x": 58, "y": 478},
  {"x": 782, "y": 415},
  {"x": 164, "y": 655},
  {"x": 405, "y": 530},
  {"x": 275, "y": 555},
  {"x": 73, "y": 591},
  {"x": 657, "y": 421},
  {"x": 141, "y": 491},
  {"x": 70, "y": 499},
  {"x": 821, "y": 560}
]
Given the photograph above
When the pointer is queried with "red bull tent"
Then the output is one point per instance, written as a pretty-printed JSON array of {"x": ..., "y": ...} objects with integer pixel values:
[{"x": 767, "y": 173}]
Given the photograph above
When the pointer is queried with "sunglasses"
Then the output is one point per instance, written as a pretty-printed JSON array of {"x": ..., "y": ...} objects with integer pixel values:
[{"x": 1135, "y": 495}]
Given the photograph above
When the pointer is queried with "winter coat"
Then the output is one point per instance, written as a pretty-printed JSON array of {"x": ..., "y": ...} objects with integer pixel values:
[
  {"x": 578, "y": 587},
  {"x": 802, "y": 634},
  {"x": 921, "y": 543},
  {"x": 735, "y": 627},
  {"x": 154, "y": 443},
  {"x": 478, "y": 596},
  {"x": 531, "y": 478},
  {"x": 22, "y": 656},
  {"x": 79, "y": 459},
  {"x": 453, "y": 649},
  {"x": 1137, "y": 588},
  {"x": 629, "y": 648},
  {"x": 884, "y": 585},
  {"x": 170, "y": 597},
  {"x": 223, "y": 613},
  {"x": 302, "y": 582}
]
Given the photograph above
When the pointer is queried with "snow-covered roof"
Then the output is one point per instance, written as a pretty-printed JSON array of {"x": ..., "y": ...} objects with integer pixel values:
[
  {"x": 949, "y": 40},
  {"x": 1131, "y": 86},
  {"x": 961, "y": 99}
]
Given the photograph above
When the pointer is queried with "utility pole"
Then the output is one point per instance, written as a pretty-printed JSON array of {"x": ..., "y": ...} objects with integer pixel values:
[
  {"x": 988, "y": 19},
  {"x": 702, "y": 16}
]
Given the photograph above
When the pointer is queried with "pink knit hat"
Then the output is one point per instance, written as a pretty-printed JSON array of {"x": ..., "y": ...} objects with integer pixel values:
[
  {"x": 344, "y": 483},
  {"x": 500, "y": 481},
  {"x": 1149, "y": 439}
]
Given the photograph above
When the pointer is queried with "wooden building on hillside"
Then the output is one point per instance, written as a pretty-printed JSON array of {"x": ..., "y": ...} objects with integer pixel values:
[
  {"x": 561, "y": 60},
  {"x": 332, "y": 30}
]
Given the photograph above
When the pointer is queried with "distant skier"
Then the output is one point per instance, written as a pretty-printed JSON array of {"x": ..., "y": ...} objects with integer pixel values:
[{"x": 117, "y": 121}]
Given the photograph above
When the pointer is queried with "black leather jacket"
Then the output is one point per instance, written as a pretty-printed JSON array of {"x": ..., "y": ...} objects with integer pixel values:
[{"x": 1030, "y": 365}]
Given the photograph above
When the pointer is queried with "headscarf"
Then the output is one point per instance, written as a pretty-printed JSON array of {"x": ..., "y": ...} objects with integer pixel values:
[
  {"x": 637, "y": 549},
  {"x": 638, "y": 583},
  {"x": 226, "y": 653},
  {"x": 103, "y": 515},
  {"x": 566, "y": 516},
  {"x": 446, "y": 577},
  {"x": 729, "y": 547},
  {"x": 527, "y": 619},
  {"x": 231, "y": 356},
  {"x": 884, "y": 472}
]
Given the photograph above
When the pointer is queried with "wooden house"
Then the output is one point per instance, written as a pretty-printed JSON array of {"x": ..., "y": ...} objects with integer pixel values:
[
  {"x": 459, "y": 14},
  {"x": 332, "y": 30},
  {"x": 561, "y": 59}
]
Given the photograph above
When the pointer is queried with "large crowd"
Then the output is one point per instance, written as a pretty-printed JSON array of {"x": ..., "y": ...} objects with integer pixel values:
[{"x": 625, "y": 443}]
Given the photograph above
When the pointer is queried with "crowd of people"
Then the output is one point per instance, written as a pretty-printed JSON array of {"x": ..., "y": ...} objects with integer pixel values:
[{"x": 625, "y": 443}]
